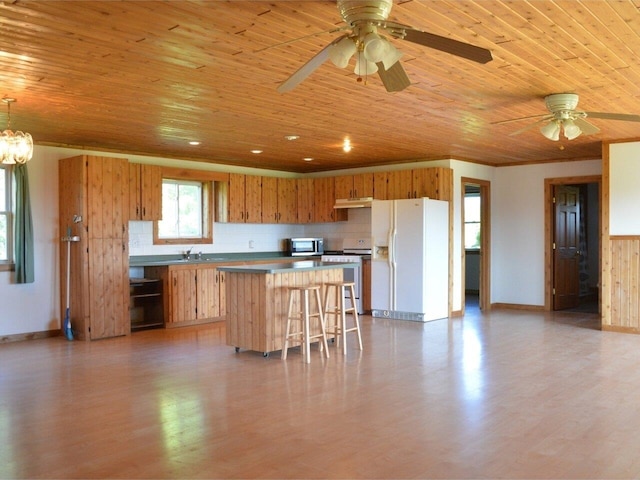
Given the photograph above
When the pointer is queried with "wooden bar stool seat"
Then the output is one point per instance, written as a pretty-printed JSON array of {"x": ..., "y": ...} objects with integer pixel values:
[
  {"x": 338, "y": 311},
  {"x": 299, "y": 320}
]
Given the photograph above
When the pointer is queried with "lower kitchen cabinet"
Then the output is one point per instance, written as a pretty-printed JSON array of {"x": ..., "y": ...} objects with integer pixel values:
[
  {"x": 194, "y": 294},
  {"x": 145, "y": 309}
]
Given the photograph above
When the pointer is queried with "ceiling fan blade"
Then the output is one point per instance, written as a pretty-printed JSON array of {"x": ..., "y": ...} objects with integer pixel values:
[
  {"x": 293, "y": 40},
  {"x": 529, "y": 127},
  {"x": 521, "y": 118},
  {"x": 395, "y": 79},
  {"x": 614, "y": 116},
  {"x": 308, "y": 68},
  {"x": 586, "y": 127},
  {"x": 444, "y": 44}
]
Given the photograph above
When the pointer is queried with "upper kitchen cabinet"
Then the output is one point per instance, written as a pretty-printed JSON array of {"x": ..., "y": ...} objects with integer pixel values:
[
  {"x": 145, "y": 192},
  {"x": 324, "y": 198},
  {"x": 354, "y": 186},
  {"x": 435, "y": 182},
  {"x": 245, "y": 198},
  {"x": 399, "y": 184},
  {"x": 304, "y": 193},
  {"x": 279, "y": 200},
  {"x": 380, "y": 186},
  {"x": 94, "y": 207}
]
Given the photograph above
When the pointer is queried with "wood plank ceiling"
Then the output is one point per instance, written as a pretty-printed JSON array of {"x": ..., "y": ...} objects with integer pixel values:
[{"x": 148, "y": 76}]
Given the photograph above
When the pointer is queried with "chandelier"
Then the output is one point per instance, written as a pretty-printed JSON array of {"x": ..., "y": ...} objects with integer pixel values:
[{"x": 15, "y": 147}]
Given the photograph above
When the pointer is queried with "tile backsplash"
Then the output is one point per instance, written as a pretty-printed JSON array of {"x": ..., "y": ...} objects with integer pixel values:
[{"x": 246, "y": 237}]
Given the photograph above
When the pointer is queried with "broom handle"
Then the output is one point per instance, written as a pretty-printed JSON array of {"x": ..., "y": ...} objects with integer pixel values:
[{"x": 68, "y": 266}]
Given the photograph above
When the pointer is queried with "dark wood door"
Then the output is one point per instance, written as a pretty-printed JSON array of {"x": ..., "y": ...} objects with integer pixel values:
[{"x": 566, "y": 253}]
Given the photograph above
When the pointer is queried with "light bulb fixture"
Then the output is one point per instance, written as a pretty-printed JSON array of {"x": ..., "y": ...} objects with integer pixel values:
[
  {"x": 346, "y": 146},
  {"x": 378, "y": 49},
  {"x": 256, "y": 151},
  {"x": 571, "y": 130},
  {"x": 341, "y": 52},
  {"x": 551, "y": 130},
  {"x": 364, "y": 67},
  {"x": 15, "y": 147}
]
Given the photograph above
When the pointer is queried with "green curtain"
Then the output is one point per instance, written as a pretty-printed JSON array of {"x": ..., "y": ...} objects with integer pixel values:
[{"x": 23, "y": 232}]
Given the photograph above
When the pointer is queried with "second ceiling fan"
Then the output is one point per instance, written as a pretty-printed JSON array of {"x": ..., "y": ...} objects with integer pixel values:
[
  {"x": 374, "y": 53},
  {"x": 564, "y": 117}
]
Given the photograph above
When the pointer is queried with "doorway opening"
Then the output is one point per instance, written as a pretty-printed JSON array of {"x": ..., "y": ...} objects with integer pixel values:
[
  {"x": 475, "y": 244},
  {"x": 573, "y": 223}
]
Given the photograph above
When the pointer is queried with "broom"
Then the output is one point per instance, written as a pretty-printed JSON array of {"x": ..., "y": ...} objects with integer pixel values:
[{"x": 67, "y": 314}]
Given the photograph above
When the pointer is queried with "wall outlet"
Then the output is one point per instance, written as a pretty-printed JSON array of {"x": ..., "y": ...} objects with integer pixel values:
[{"x": 251, "y": 244}]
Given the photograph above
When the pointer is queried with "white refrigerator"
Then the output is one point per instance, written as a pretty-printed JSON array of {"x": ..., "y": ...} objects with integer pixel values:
[{"x": 410, "y": 259}]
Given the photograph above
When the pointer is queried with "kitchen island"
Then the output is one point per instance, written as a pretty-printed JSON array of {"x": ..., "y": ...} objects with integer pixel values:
[{"x": 257, "y": 299}]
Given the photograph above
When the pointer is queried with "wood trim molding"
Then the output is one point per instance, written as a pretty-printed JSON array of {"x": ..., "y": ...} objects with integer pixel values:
[
  {"x": 518, "y": 306},
  {"x": 19, "y": 337}
]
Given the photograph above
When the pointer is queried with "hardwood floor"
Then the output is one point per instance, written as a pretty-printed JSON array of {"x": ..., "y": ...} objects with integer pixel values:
[{"x": 509, "y": 394}]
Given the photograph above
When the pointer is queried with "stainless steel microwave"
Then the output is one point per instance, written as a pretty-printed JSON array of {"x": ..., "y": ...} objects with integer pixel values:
[{"x": 305, "y": 246}]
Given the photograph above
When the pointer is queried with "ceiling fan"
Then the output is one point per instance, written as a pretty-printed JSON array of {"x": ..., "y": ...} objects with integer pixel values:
[
  {"x": 373, "y": 52},
  {"x": 564, "y": 117}
]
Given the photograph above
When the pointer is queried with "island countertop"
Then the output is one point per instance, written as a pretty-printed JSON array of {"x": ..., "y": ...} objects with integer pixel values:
[{"x": 286, "y": 267}]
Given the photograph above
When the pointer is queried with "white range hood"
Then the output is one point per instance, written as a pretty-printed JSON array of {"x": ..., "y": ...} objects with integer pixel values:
[{"x": 364, "y": 202}]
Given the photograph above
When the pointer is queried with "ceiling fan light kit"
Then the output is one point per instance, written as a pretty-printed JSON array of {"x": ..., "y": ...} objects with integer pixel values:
[
  {"x": 375, "y": 53},
  {"x": 564, "y": 116}
]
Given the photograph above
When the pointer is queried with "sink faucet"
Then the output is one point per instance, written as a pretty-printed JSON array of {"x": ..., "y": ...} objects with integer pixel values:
[{"x": 187, "y": 254}]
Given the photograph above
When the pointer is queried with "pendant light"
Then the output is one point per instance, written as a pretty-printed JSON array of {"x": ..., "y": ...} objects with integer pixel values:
[{"x": 15, "y": 147}]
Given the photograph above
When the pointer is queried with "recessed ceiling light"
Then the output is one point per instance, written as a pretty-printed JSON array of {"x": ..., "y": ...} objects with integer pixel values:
[
  {"x": 256, "y": 151},
  {"x": 292, "y": 137},
  {"x": 308, "y": 159},
  {"x": 194, "y": 143},
  {"x": 346, "y": 146}
]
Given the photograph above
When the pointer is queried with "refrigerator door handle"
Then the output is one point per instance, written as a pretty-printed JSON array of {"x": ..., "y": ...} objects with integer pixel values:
[{"x": 392, "y": 267}]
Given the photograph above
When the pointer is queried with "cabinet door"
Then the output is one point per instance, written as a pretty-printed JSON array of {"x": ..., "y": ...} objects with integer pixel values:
[
  {"x": 253, "y": 199},
  {"x": 108, "y": 197},
  {"x": 287, "y": 201},
  {"x": 222, "y": 299},
  {"x": 380, "y": 186},
  {"x": 324, "y": 199},
  {"x": 208, "y": 293},
  {"x": 399, "y": 184},
  {"x": 135, "y": 208},
  {"x": 151, "y": 192},
  {"x": 363, "y": 185},
  {"x": 235, "y": 203},
  {"x": 435, "y": 183},
  {"x": 304, "y": 187},
  {"x": 269, "y": 200},
  {"x": 108, "y": 288},
  {"x": 343, "y": 185},
  {"x": 182, "y": 295}
]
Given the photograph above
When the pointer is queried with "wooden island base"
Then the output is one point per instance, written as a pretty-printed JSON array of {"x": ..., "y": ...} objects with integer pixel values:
[{"x": 257, "y": 300}]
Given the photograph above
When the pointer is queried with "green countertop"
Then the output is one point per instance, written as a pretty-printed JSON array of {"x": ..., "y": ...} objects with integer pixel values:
[
  {"x": 287, "y": 267},
  {"x": 160, "y": 260}
]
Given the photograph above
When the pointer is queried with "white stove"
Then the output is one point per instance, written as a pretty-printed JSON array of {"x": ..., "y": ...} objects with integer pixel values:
[{"x": 352, "y": 251}]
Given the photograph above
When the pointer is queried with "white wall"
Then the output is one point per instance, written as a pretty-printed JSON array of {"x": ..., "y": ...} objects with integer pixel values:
[
  {"x": 624, "y": 172},
  {"x": 517, "y": 228},
  {"x": 33, "y": 307}
]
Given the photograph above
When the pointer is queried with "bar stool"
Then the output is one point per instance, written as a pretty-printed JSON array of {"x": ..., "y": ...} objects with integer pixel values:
[
  {"x": 339, "y": 312},
  {"x": 303, "y": 316}
]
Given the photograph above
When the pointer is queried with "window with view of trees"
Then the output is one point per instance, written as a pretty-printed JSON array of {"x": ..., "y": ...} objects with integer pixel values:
[
  {"x": 185, "y": 207},
  {"x": 472, "y": 221}
]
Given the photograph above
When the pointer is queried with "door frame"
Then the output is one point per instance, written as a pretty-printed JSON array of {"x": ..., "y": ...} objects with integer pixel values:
[
  {"x": 549, "y": 184},
  {"x": 484, "y": 298}
]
